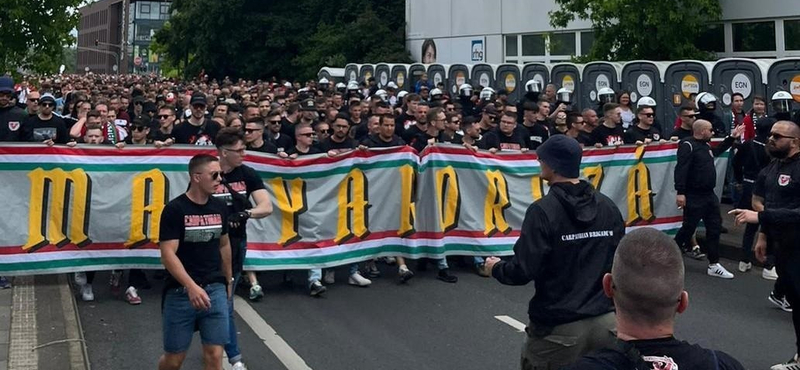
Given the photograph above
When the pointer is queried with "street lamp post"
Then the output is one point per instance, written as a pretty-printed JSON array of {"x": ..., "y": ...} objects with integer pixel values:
[{"x": 115, "y": 55}]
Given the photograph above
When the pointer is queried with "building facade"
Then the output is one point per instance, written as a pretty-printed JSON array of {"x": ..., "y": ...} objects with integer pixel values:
[
  {"x": 115, "y": 36},
  {"x": 519, "y": 31}
]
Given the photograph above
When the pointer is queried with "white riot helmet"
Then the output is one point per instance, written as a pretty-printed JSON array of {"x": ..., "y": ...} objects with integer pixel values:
[
  {"x": 287, "y": 84},
  {"x": 402, "y": 94},
  {"x": 353, "y": 86},
  {"x": 564, "y": 95},
  {"x": 341, "y": 87},
  {"x": 782, "y": 102},
  {"x": 704, "y": 99},
  {"x": 436, "y": 94},
  {"x": 391, "y": 85},
  {"x": 533, "y": 86},
  {"x": 606, "y": 95},
  {"x": 323, "y": 83},
  {"x": 646, "y": 101},
  {"x": 487, "y": 93},
  {"x": 382, "y": 94},
  {"x": 465, "y": 90}
]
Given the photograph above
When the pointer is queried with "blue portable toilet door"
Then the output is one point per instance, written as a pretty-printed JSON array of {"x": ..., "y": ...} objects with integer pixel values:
[
  {"x": 437, "y": 74},
  {"x": 482, "y": 76},
  {"x": 742, "y": 76},
  {"x": 784, "y": 75},
  {"x": 682, "y": 82},
  {"x": 457, "y": 76},
  {"x": 382, "y": 73},
  {"x": 595, "y": 77},
  {"x": 351, "y": 73},
  {"x": 398, "y": 75},
  {"x": 415, "y": 72},
  {"x": 568, "y": 76},
  {"x": 507, "y": 79},
  {"x": 367, "y": 71}
]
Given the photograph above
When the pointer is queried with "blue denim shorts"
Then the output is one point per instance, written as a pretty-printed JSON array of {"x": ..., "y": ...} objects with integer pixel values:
[{"x": 180, "y": 319}]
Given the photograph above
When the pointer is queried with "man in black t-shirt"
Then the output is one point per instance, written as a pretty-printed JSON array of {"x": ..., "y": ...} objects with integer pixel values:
[
  {"x": 238, "y": 184},
  {"x": 506, "y": 136},
  {"x": 610, "y": 132},
  {"x": 196, "y": 251},
  {"x": 535, "y": 123},
  {"x": 643, "y": 132},
  {"x": 385, "y": 137},
  {"x": 688, "y": 116},
  {"x": 13, "y": 125},
  {"x": 197, "y": 130},
  {"x": 47, "y": 127},
  {"x": 254, "y": 137},
  {"x": 304, "y": 142},
  {"x": 646, "y": 285},
  {"x": 275, "y": 132},
  {"x": 420, "y": 124},
  {"x": 339, "y": 142}
]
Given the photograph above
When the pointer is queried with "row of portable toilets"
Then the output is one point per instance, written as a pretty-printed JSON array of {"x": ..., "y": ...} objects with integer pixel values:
[{"x": 670, "y": 83}]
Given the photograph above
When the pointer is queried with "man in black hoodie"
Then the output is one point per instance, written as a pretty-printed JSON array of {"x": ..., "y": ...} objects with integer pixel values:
[{"x": 569, "y": 314}]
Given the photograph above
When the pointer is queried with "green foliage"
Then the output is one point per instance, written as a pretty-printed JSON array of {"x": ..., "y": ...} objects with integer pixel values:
[
  {"x": 33, "y": 33},
  {"x": 70, "y": 59},
  {"x": 283, "y": 38},
  {"x": 641, "y": 29}
]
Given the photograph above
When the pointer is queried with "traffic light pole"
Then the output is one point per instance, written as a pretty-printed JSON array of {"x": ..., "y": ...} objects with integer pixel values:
[{"x": 115, "y": 55}]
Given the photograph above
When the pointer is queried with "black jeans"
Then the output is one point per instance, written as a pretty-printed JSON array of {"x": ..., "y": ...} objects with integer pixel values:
[
  {"x": 746, "y": 202},
  {"x": 703, "y": 207},
  {"x": 789, "y": 282}
]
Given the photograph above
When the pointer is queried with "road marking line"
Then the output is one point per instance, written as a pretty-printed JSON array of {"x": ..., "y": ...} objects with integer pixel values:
[
  {"x": 271, "y": 339},
  {"x": 512, "y": 322},
  {"x": 23, "y": 334}
]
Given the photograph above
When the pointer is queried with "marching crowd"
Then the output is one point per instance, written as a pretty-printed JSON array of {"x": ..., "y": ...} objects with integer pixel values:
[{"x": 320, "y": 117}]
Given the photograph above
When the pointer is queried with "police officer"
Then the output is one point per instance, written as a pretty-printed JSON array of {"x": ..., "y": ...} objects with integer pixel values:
[
  {"x": 573, "y": 222},
  {"x": 323, "y": 84},
  {"x": 782, "y": 106},
  {"x": 779, "y": 184},
  {"x": 465, "y": 98},
  {"x": 13, "y": 126},
  {"x": 604, "y": 96},
  {"x": 695, "y": 179},
  {"x": 563, "y": 103},
  {"x": 532, "y": 91},
  {"x": 707, "y": 106}
]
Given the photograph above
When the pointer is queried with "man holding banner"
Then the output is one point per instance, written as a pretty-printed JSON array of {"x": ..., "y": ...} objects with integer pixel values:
[{"x": 573, "y": 222}]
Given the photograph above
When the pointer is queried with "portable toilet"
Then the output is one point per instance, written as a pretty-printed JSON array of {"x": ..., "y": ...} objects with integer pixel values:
[
  {"x": 682, "y": 81},
  {"x": 482, "y": 76},
  {"x": 644, "y": 78},
  {"x": 382, "y": 73},
  {"x": 745, "y": 76},
  {"x": 366, "y": 71},
  {"x": 334, "y": 75},
  {"x": 784, "y": 75},
  {"x": 597, "y": 75},
  {"x": 351, "y": 71},
  {"x": 399, "y": 73},
  {"x": 536, "y": 71},
  {"x": 568, "y": 75},
  {"x": 415, "y": 72},
  {"x": 437, "y": 73},
  {"x": 507, "y": 79},
  {"x": 457, "y": 75}
]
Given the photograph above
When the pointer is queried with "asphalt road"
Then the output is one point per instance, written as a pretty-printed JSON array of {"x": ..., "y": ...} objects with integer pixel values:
[{"x": 426, "y": 324}]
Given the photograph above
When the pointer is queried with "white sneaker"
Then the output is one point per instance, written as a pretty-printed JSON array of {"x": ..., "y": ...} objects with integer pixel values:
[
  {"x": 238, "y": 366},
  {"x": 745, "y": 266},
  {"x": 390, "y": 260},
  {"x": 716, "y": 270},
  {"x": 80, "y": 279},
  {"x": 330, "y": 277},
  {"x": 769, "y": 274},
  {"x": 132, "y": 296},
  {"x": 358, "y": 280},
  {"x": 86, "y": 293},
  {"x": 791, "y": 365}
]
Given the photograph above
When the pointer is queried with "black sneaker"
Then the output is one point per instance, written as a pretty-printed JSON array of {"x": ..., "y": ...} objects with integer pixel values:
[
  {"x": 695, "y": 253},
  {"x": 444, "y": 275},
  {"x": 316, "y": 289},
  {"x": 405, "y": 275}
]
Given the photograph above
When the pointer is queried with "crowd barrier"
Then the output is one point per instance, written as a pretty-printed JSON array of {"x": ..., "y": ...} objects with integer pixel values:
[{"x": 96, "y": 208}]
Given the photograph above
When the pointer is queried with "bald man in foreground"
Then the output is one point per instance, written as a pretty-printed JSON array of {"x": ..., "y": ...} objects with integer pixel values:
[
  {"x": 695, "y": 179},
  {"x": 646, "y": 285}
]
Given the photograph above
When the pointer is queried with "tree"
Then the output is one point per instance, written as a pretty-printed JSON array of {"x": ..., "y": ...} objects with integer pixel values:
[
  {"x": 641, "y": 29},
  {"x": 70, "y": 59},
  {"x": 33, "y": 33},
  {"x": 282, "y": 38}
]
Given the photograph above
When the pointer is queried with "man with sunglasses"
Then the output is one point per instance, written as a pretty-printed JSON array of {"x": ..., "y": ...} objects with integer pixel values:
[
  {"x": 47, "y": 127},
  {"x": 488, "y": 118},
  {"x": 254, "y": 137},
  {"x": 453, "y": 124},
  {"x": 32, "y": 103},
  {"x": 534, "y": 122},
  {"x": 339, "y": 141},
  {"x": 644, "y": 131},
  {"x": 196, "y": 251},
  {"x": 779, "y": 187},
  {"x": 238, "y": 184},
  {"x": 166, "y": 122},
  {"x": 13, "y": 125},
  {"x": 275, "y": 133},
  {"x": 197, "y": 130},
  {"x": 687, "y": 117},
  {"x": 695, "y": 179},
  {"x": 140, "y": 133}
]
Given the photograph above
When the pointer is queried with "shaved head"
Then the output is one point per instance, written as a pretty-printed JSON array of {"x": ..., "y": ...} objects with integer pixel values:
[
  {"x": 699, "y": 125},
  {"x": 792, "y": 128},
  {"x": 647, "y": 277}
]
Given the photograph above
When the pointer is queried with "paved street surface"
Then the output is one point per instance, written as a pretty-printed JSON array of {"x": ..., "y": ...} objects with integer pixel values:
[{"x": 427, "y": 324}]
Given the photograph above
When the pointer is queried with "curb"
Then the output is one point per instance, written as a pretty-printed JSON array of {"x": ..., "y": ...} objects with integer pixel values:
[{"x": 78, "y": 353}]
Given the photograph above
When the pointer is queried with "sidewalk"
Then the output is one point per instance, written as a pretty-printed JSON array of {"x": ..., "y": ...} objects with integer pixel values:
[{"x": 39, "y": 326}]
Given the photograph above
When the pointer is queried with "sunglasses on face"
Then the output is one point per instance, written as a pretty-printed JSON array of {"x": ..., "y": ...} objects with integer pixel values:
[
  {"x": 307, "y": 134},
  {"x": 198, "y": 106},
  {"x": 251, "y": 130},
  {"x": 47, "y": 105},
  {"x": 164, "y": 116},
  {"x": 776, "y": 136},
  {"x": 278, "y": 122},
  {"x": 138, "y": 128},
  {"x": 214, "y": 175},
  {"x": 648, "y": 115},
  {"x": 33, "y": 100}
]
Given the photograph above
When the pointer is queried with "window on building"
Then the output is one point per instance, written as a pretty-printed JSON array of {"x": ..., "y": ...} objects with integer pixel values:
[
  {"x": 164, "y": 9},
  {"x": 587, "y": 40},
  {"x": 791, "y": 33},
  {"x": 712, "y": 38},
  {"x": 754, "y": 36},
  {"x": 533, "y": 45},
  {"x": 511, "y": 61},
  {"x": 562, "y": 43},
  {"x": 145, "y": 9},
  {"x": 511, "y": 46}
]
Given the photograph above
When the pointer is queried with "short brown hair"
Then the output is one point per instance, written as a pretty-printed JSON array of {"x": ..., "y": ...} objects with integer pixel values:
[
  {"x": 199, "y": 161},
  {"x": 228, "y": 136}
]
